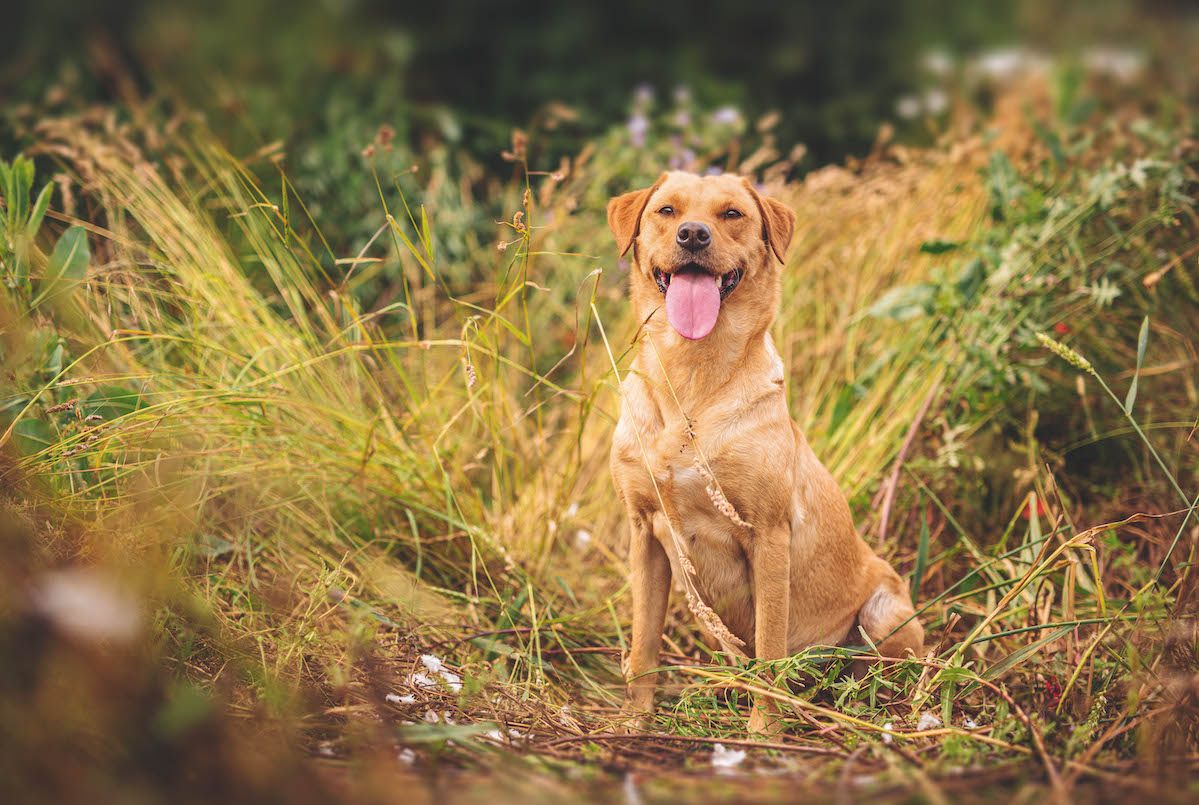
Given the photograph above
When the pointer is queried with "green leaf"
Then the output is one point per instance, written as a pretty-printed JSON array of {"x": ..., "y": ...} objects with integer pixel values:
[
  {"x": 186, "y": 708},
  {"x": 285, "y": 206},
  {"x": 22, "y": 184},
  {"x": 32, "y": 436},
  {"x": 938, "y": 246},
  {"x": 842, "y": 407},
  {"x": 1052, "y": 140},
  {"x": 436, "y": 733},
  {"x": 1142, "y": 342},
  {"x": 905, "y": 302},
  {"x": 39, "y": 211},
  {"x": 1003, "y": 182},
  {"x": 53, "y": 365},
  {"x": 24, "y": 238},
  {"x": 869, "y": 642},
  {"x": 1020, "y": 655},
  {"x": 211, "y": 546},
  {"x": 970, "y": 279},
  {"x": 67, "y": 266},
  {"x": 13, "y": 403},
  {"x": 495, "y": 646},
  {"x": 6, "y": 193},
  {"x": 921, "y": 551},
  {"x": 426, "y": 236},
  {"x": 111, "y": 402}
]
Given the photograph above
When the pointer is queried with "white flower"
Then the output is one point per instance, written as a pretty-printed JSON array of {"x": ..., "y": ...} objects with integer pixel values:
[
  {"x": 727, "y": 116},
  {"x": 928, "y": 721},
  {"x": 937, "y": 61},
  {"x": 582, "y": 538},
  {"x": 726, "y": 760},
  {"x": 1123, "y": 64},
  {"x": 638, "y": 127},
  {"x": 435, "y": 666},
  {"x": 907, "y": 106},
  {"x": 935, "y": 101},
  {"x": 1000, "y": 65},
  {"x": 419, "y": 680},
  {"x": 452, "y": 680},
  {"x": 887, "y": 738}
]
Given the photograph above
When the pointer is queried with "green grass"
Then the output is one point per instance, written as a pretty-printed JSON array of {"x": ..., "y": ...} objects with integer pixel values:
[{"x": 309, "y": 482}]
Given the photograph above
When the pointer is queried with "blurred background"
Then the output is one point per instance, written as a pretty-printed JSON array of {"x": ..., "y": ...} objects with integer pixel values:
[
  {"x": 322, "y": 77},
  {"x": 310, "y": 334},
  {"x": 467, "y": 73}
]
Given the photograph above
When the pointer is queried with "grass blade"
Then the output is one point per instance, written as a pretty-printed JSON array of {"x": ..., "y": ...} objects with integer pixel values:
[
  {"x": 1142, "y": 341},
  {"x": 1020, "y": 655},
  {"x": 921, "y": 550}
]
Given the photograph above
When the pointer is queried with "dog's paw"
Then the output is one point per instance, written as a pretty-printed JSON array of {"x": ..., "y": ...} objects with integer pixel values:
[
  {"x": 637, "y": 712},
  {"x": 634, "y": 720}
]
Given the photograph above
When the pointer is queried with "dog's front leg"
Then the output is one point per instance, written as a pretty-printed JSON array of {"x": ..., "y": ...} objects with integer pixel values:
[
  {"x": 771, "y": 573},
  {"x": 651, "y": 593}
]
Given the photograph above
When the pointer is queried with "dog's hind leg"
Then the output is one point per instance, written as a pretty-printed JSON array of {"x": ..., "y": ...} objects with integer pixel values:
[
  {"x": 651, "y": 594},
  {"x": 888, "y": 619}
]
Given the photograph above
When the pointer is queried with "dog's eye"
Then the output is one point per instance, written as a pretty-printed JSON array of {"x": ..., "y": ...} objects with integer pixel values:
[
  {"x": 667, "y": 210},
  {"x": 732, "y": 214}
]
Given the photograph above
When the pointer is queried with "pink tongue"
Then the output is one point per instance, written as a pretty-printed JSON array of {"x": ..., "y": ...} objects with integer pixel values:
[{"x": 692, "y": 303}]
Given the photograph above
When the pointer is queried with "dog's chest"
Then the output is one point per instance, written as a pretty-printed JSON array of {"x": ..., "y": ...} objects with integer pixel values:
[
  {"x": 655, "y": 462},
  {"x": 694, "y": 469},
  {"x": 676, "y": 473}
]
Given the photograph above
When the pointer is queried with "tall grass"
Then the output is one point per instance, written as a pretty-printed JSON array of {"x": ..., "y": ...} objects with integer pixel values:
[{"x": 317, "y": 493}]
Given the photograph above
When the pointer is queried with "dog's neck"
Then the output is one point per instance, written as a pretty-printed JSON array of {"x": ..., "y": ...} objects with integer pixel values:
[{"x": 682, "y": 373}]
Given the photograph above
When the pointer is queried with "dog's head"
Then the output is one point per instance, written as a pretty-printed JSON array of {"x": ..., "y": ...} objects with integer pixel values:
[{"x": 707, "y": 247}]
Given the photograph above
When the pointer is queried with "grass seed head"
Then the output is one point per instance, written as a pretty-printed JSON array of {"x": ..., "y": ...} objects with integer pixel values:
[
  {"x": 718, "y": 499},
  {"x": 1066, "y": 353},
  {"x": 67, "y": 406}
]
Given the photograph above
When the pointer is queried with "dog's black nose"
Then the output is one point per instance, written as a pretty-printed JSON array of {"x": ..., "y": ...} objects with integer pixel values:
[{"x": 693, "y": 236}]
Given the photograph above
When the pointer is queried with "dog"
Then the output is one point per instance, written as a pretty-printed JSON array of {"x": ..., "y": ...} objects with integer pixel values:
[{"x": 721, "y": 490}]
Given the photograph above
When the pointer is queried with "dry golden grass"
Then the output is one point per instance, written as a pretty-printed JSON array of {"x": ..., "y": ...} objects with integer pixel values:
[{"x": 318, "y": 494}]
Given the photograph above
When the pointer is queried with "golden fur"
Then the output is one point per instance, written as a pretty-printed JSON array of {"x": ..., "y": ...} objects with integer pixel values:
[{"x": 795, "y": 573}]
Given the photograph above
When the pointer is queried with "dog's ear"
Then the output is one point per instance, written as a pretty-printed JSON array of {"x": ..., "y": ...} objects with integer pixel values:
[
  {"x": 624, "y": 214},
  {"x": 778, "y": 222}
]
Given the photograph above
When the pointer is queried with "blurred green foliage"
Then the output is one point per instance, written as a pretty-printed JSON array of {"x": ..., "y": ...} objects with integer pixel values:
[{"x": 468, "y": 71}]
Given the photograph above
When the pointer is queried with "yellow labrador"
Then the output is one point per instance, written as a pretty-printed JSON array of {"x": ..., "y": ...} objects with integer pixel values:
[{"x": 719, "y": 484}]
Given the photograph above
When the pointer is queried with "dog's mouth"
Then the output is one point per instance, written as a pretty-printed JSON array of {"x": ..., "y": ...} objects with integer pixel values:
[
  {"x": 693, "y": 297},
  {"x": 728, "y": 281}
]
